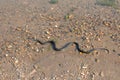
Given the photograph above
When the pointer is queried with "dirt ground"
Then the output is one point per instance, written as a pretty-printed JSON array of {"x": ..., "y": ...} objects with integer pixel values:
[{"x": 83, "y": 21}]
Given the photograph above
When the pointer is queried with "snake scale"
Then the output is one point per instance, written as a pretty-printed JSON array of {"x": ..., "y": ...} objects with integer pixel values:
[{"x": 53, "y": 44}]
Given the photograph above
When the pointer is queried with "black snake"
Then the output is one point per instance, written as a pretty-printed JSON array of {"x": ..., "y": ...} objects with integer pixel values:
[{"x": 66, "y": 45}]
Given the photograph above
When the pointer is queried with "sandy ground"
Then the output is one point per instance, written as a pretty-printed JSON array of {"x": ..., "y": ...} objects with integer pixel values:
[{"x": 83, "y": 21}]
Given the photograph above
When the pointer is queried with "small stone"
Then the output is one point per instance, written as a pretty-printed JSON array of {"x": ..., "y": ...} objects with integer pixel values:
[
  {"x": 119, "y": 55},
  {"x": 18, "y": 29},
  {"x": 114, "y": 50},
  {"x": 71, "y": 16},
  {"x": 37, "y": 50},
  {"x": 82, "y": 73},
  {"x": 96, "y": 60},
  {"x": 32, "y": 48},
  {"x": 87, "y": 38},
  {"x": 27, "y": 31},
  {"x": 48, "y": 37},
  {"x": 54, "y": 77},
  {"x": 93, "y": 77},
  {"x": 78, "y": 78},
  {"x": 99, "y": 39},
  {"x": 52, "y": 8},
  {"x": 95, "y": 53},
  {"x": 61, "y": 75},
  {"x": 32, "y": 72},
  {"x": 16, "y": 61},
  {"x": 9, "y": 46},
  {"x": 101, "y": 74},
  {"x": 42, "y": 50},
  {"x": 6, "y": 55},
  {"x": 56, "y": 26},
  {"x": 68, "y": 71},
  {"x": 47, "y": 32},
  {"x": 119, "y": 26},
  {"x": 84, "y": 66}
]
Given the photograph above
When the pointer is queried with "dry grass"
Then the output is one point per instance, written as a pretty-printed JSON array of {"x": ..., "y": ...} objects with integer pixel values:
[
  {"x": 112, "y": 3},
  {"x": 53, "y": 1}
]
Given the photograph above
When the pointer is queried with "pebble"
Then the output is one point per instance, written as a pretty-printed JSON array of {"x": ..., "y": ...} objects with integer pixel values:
[
  {"x": 42, "y": 50},
  {"x": 61, "y": 75},
  {"x": 97, "y": 60},
  {"x": 48, "y": 37},
  {"x": 78, "y": 78},
  {"x": 37, "y": 50},
  {"x": 84, "y": 66},
  {"x": 9, "y": 46},
  {"x": 54, "y": 77},
  {"x": 56, "y": 26},
  {"x": 68, "y": 71},
  {"x": 18, "y": 29},
  {"x": 16, "y": 61},
  {"x": 6, "y": 55},
  {"x": 47, "y": 32},
  {"x": 99, "y": 39},
  {"x": 52, "y": 8},
  {"x": 119, "y": 26},
  {"x": 71, "y": 16},
  {"x": 82, "y": 73},
  {"x": 101, "y": 74},
  {"x": 96, "y": 53}
]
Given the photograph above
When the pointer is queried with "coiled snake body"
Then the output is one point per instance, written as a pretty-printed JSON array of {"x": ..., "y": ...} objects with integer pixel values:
[{"x": 66, "y": 45}]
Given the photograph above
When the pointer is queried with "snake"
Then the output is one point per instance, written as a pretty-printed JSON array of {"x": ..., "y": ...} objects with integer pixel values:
[{"x": 53, "y": 45}]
